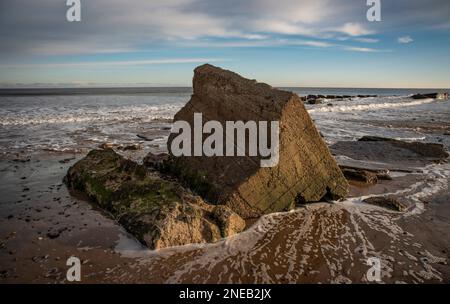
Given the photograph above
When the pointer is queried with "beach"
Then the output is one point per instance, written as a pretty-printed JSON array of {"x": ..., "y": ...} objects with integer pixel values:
[{"x": 42, "y": 224}]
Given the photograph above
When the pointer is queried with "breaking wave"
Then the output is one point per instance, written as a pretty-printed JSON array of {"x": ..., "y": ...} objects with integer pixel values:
[
  {"x": 143, "y": 113},
  {"x": 370, "y": 106}
]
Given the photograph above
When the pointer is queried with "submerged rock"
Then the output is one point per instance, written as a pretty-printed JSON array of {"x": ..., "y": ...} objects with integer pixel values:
[
  {"x": 379, "y": 153},
  {"x": 387, "y": 202},
  {"x": 158, "y": 212},
  {"x": 305, "y": 168},
  {"x": 428, "y": 150},
  {"x": 440, "y": 96},
  {"x": 132, "y": 147},
  {"x": 315, "y": 101}
]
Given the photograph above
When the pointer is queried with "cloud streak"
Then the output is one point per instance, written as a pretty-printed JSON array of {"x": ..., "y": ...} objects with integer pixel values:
[
  {"x": 124, "y": 63},
  {"x": 405, "y": 40}
]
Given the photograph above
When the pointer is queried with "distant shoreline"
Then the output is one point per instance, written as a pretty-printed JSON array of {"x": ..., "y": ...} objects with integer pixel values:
[{"x": 187, "y": 90}]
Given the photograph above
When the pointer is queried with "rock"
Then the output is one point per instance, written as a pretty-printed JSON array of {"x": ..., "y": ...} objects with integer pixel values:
[
  {"x": 387, "y": 202},
  {"x": 53, "y": 234},
  {"x": 56, "y": 233},
  {"x": 5, "y": 274},
  {"x": 388, "y": 154},
  {"x": 315, "y": 101},
  {"x": 229, "y": 222},
  {"x": 66, "y": 160},
  {"x": 375, "y": 138},
  {"x": 158, "y": 212},
  {"x": 424, "y": 96},
  {"x": 21, "y": 160},
  {"x": 142, "y": 136},
  {"x": 133, "y": 147},
  {"x": 155, "y": 160},
  {"x": 440, "y": 96},
  {"x": 305, "y": 166},
  {"x": 106, "y": 146},
  {"x": 153, "y": 134},
  {"x": 381, "y": 174},
  {"x": 360, "y": 175},
  {"x": 366, "y": 96},
  {"x": 429, "y": 150}
]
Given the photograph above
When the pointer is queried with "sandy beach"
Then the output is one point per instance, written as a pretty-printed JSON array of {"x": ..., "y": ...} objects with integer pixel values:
[{"x": 43, "y": 226}]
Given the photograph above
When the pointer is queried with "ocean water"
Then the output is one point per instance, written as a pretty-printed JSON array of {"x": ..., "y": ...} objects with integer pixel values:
[{"x": 76, "y": 120}]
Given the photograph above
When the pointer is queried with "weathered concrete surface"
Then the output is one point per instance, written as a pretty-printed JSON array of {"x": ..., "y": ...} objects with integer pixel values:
[{"x": 306, "y": 169}]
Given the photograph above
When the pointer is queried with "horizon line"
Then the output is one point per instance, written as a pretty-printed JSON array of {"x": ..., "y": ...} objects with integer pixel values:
[{"x": 49, "y": 87}]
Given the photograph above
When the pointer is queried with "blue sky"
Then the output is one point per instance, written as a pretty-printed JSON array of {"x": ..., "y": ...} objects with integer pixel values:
[{"x": 284, "y": 42}]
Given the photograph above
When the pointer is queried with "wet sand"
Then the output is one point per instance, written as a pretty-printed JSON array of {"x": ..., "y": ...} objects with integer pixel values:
[{"x": 42, "y": 225}]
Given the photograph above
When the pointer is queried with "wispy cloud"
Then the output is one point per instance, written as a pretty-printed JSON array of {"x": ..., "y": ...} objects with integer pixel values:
[
  {"x": 367, "y": 40},
  {"x": 405, "y": 39},
  {"x": 354, "y": 29},
  {"x": 115, "y": 63},
  {"x": 361, "y": 49}
]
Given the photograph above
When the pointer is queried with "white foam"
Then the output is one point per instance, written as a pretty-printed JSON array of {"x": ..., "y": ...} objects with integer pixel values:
[
  {"x": 370, "y": 106},
  {"x": 142, "y": 113}
]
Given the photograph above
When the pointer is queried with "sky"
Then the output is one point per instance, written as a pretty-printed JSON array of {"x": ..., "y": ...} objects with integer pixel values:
[{"x": 308, "y": 43}]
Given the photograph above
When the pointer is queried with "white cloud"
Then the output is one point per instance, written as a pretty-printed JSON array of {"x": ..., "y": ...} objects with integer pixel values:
[
  {"x": 321, "y": 44},
  {"x": 367, "y": 40},
  {"x": 360, "y": 49},
  {"x": 353, "y": 29},
  {"x": 405, "y": 39}
]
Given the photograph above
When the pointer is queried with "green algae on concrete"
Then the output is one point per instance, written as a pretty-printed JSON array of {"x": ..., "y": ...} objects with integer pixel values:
[{"x": 158, "y": 211}]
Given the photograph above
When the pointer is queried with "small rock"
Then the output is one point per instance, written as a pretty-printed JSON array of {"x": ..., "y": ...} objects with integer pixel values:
[
  {"x": 105, "y": 146},
  {"x": 229, "y": 222},
  {"x": 360, "y": 175},
  {"x": 53, "y": 234},
  {"x": 133, "y": 147}
]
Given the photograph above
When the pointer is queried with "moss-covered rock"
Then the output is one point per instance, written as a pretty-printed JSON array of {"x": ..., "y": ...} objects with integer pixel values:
[{"x": 157, "y": 211}]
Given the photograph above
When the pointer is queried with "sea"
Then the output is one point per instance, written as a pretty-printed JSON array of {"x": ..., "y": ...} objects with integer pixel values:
[{"x": 79, "y": 119}]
